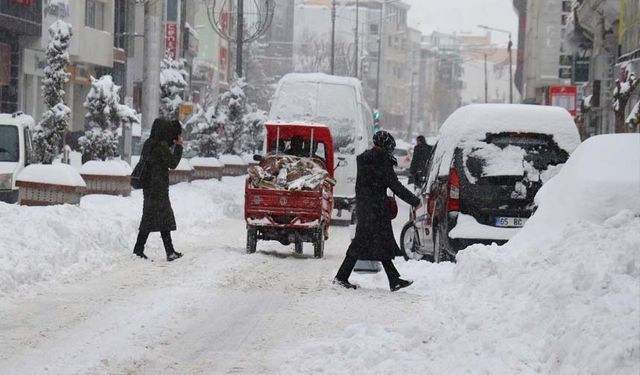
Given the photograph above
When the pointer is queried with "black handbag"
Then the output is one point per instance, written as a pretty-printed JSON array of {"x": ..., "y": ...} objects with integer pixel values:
[{"x": 138, "y": 176}]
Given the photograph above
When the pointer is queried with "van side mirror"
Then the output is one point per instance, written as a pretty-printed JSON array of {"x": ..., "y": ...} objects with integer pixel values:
[{"x": 257, "y": 158}]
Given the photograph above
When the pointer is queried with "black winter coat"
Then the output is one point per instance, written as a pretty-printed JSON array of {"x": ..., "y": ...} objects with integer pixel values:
[
  {"x": 157, "y": 214},
  {"x": 374, "y": 238},
  {"x": 421, "y": 154}
]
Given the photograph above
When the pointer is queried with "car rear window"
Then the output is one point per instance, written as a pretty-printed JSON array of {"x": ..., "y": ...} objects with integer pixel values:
[
  {"x": 9, "y": 143},
  {"x": 511, "y": 154},
  {"x": 400, "y": 152}
]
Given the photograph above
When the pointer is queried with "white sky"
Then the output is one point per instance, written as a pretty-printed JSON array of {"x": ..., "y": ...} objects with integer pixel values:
[{"x": 464, "y": 16}]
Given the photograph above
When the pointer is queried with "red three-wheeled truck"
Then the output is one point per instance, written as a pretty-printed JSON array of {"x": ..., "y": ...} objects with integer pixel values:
[{"x": 292, "y": 216}]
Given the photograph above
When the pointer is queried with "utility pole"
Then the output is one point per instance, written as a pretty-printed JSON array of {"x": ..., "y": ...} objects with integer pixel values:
[
  {"x": 152, "y": 56},
  {"x": 410, "y": 130},
  {"x": 239, "y": 37},
  {"x": 357, "y": 41},
  {"x": 486, "y": 83},
  {"x": 333, "y": 36},
  {"x": 510, "y": 70},
  {"x": 380, "y": 34}
]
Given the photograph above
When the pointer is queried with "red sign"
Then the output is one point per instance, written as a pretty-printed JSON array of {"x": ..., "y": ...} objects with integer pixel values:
[
  {"x": 25, "y": 2},
  {"x": 171, "y": 38},
  {"x": 563, "y": 96}
]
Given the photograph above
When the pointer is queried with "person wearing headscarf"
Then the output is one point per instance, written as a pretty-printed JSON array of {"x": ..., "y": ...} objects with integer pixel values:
[
  {"x": 374, "y": 239},
  {"x": 161, "y": 152}
]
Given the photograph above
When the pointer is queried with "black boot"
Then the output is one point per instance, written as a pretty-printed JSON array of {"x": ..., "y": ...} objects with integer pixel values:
[
  {"x": 138, "y": 249},
  {"x": 344, "y": 283},
  {"x": 172, "y": 254},
  {"x": 399, "y": 284}
]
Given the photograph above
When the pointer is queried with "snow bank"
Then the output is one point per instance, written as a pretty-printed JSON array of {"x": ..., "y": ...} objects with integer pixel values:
[
  {"x": 57, "y": 174},
  {"x": 184, "y": 165},
  {"x": 468, "y": 227},
  {"x": 106, "y": 168},
  {"x": 601, "y": 178},
  {"x": 473, "y": 122},
  {"x": 205, "y": 162},
  {"x": 57, "y": 243},
  {"x": 562, "y": 297}
]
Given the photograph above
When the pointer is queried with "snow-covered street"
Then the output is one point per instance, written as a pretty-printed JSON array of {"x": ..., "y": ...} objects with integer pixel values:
[{"x": 220, "y": 311}]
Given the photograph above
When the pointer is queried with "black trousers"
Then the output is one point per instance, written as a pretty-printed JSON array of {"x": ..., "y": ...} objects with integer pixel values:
[
  {"x": 349, "y": 262},
  {"x": 142, "y": 240}
]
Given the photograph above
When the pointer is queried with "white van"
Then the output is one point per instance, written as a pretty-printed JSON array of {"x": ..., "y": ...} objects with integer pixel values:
[
  {"x": 15, "y": 152},
  {"x": 339, "y": 103}
]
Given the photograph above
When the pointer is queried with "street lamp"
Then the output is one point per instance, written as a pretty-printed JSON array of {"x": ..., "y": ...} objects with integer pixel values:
[{"x": 509, "y": 47}]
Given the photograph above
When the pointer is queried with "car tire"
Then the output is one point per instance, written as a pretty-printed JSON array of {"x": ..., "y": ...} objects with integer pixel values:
[
  {"x": 409, "y": 242},
  {"x": 252, "y": 240}
]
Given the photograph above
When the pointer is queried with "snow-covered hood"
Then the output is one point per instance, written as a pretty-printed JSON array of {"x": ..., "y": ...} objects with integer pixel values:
[{"x": 8, "y": 167}]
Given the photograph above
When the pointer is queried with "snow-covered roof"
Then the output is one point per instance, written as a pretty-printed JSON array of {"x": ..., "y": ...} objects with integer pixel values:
[
  {"x": 473, "y": 122},
  {"x": 17, "y": 119},
  {"x": 205, "y": 162},
  {"x": 106, "y": 168},
  {"x": 296, "y": 123},
  {"x": 320, "y": 78},
  {"x": 56, "y": 174}
]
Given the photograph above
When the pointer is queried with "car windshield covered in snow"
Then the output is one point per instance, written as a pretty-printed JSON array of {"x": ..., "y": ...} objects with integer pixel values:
[
  {"x": 329, "y": 104},
  {"x": 512, "y": 154},
  {"x": 9, "y": 143}
]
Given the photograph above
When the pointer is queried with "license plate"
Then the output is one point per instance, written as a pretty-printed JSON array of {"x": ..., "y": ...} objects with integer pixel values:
[{"x": 513, "y": 222}]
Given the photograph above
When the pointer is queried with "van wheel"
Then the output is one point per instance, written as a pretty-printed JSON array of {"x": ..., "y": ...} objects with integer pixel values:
[
  {"x": 252, "y": 240},
  {"x": 440, "y": 253},
  {"x": 409, "y": 242}
]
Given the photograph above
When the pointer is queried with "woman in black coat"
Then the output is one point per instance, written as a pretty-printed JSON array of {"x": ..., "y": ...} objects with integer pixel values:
[
  {"x": 157, "y": 214},
  {"x": 374, "y": 238}
]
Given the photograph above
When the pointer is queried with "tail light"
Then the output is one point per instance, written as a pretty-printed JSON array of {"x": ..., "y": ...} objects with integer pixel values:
[
  {"x": 454, "y": 190},
  {"x": 407, "y": 159}
]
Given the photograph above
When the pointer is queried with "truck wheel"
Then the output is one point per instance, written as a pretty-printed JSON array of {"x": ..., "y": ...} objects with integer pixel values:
[
  {"x": 298, "y": 247},
  {"x": 252, "y": 240},
  {"x": 318, "y": 245}
]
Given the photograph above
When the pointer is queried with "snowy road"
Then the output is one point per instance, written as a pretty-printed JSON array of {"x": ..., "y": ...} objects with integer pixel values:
[
  {"x": 73, "y": 300},
  {"x": 216, "y": 311}
]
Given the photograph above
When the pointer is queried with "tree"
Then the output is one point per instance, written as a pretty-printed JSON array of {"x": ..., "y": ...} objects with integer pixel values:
[
  {"x": 206, "y": 130},
  {"x": 625, "y": 87},
  {"x": 104, "y": 116},
  {"x": 229, "y": 115},
  {"x": 50, "y": 131},
  {"x": 260, "y": 77},
  {"x": 314, "y": 56},
  {"x": 173, "y": 82},
  {"x": 254, "y": 129}
]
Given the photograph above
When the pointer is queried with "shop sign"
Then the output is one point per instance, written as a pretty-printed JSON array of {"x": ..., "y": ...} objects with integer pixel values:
[{"x": 171, "y": 38}]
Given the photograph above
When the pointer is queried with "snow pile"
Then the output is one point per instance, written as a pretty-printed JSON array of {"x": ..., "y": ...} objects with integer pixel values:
[
  {"x": 562, "y": 297},
  {"x": 106, "y": 168},
  {"x": 57, "y": 243},
  {"x": 57, "y": 174},
  {"x": 473, "y": 122},
  {"x": 232, "y": 160},
  {"x": 184, "y": 165},
  {"x": 205, "y": 162}
]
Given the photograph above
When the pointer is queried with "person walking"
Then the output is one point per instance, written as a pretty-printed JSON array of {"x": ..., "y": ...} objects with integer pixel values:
[
  {"x": 374, "y": 238},
  {"x": 421, "y": 154},
  {"x": 157, "y": 214}
]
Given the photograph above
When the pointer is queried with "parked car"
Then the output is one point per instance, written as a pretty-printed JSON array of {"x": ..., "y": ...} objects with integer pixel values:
[
  {"x": 403, "y": 156},
  {"x": 485, "y": 171},
  {"x": 337, "y": 102},
  {"x": 15, "y": 152}
]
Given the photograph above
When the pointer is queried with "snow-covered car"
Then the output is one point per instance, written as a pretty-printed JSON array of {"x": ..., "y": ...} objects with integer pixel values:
[
  {"x": 15, "y": 152},
  {"x": 403, "y": 156},
  {"x": 487, "y": 167}
]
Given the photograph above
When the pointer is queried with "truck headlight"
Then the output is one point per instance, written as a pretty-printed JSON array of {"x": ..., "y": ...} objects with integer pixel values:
[{"x": 6, "y": 181}]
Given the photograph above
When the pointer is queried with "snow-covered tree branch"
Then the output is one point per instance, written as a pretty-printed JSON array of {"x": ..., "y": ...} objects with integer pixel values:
[{"x": 173, "y": 82}]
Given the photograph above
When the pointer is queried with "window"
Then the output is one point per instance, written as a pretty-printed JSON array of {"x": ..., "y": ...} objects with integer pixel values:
[
  {"x": 94, "y": 14},
  {"x": 373, "y": 29},
  {"x": 9, "y": 143}
]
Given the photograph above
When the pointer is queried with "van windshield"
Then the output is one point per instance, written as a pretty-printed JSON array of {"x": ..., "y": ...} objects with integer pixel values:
[
  {"x": 323, "y": 103},
  {"x": 9, "y": 143}
]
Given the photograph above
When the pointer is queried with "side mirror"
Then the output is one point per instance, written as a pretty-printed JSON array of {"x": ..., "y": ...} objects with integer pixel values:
[{"x": 257, "y": 158}]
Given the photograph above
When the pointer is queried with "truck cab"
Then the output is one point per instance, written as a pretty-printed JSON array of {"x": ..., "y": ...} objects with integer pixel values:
[{"x": 16, "y": 152}]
